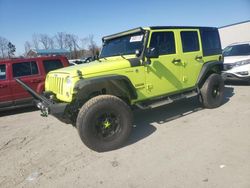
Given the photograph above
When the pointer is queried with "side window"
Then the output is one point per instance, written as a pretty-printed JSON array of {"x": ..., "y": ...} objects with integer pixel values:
[
  {"x": 2, "y": 72},
  {"x": 164, "y": 41},
  {"x": 190, "y": 41},
  {"x": 210, "y": 42},
  {"x": 50, "y": 65},
  {"x": 25, "y": 69}
]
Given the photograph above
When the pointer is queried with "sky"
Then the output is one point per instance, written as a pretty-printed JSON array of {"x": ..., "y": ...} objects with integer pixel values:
[{"x": 20, "y": 19}]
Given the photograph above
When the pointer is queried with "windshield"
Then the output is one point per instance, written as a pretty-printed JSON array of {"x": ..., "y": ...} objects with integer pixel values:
[
  {"x": 125, "y": 45},
  {"x": 237, "y": 50}
]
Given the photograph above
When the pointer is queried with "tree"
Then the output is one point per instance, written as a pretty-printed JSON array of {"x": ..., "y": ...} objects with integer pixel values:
[
  {"x": 3, "y": 46},
  {"x": 35, "y": 41},
  {"x": 84, "y": 42},
  {"x": 93, "y": 48},
  {"x": 51, "y": 43},
  {"x": 77, "y": 47},
  {"x": 75, "y": 40},
  {"x": 27, "y": 47},
  {"x": 11, "y": 49},
  {"x": 60, "y": 39},
  {"x": 45, "y": 40},
  {"x": 71, "y": 42}
]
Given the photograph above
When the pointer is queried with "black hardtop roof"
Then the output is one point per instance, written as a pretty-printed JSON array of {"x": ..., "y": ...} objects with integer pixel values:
[
  {"x": 141, "y": 29},
  {"x": 180, "y": 27}
]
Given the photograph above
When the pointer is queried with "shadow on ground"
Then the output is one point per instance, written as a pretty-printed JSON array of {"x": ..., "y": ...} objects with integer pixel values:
[
  {"x": 144, "y": 120},
  {"x": 237, "y": 83},
  {"x": 18, "y": 111}
]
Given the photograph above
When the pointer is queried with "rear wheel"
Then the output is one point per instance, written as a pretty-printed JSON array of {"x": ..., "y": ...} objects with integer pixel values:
[
  {"x": 104, "y": 123},
  {"x": 212, "y": 91}
]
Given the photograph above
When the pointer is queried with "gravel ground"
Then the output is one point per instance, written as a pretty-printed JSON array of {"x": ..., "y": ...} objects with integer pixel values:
[{"x": 179, "y": 145}]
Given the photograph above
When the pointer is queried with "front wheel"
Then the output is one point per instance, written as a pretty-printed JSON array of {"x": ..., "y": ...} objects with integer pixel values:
[
  {"x": 104, "y": 123},
  {"x": 212, "y": 91}
]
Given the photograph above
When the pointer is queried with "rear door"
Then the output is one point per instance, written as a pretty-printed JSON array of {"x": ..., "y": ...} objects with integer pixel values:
[
  {"x": 52, "y": 64},
  {"x": 5, "y": 91},
  {"x": 191, "y": 56},
  {"x": 29, "y": 73}
]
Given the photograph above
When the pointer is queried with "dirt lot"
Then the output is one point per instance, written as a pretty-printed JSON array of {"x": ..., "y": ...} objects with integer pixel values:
[{"x": 179, "y": 145}]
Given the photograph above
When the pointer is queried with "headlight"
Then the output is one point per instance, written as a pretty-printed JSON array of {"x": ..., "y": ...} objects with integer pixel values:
[
  {"x": 68, "y": 81},
  {"x": 244, "y": 62}
]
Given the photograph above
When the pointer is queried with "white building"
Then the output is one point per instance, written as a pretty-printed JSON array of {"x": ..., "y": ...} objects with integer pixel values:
[{"x": 238, "y": 32}]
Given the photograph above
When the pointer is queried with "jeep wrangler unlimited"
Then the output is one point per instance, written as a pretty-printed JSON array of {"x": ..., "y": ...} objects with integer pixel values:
[{"x": 142, "y": 67}]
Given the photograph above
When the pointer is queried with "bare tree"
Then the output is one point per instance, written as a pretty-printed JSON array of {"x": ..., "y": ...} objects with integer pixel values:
[
  {"x": 92, "y": 47},
  {"x": 45, "y": 41},
  {"x": 76, "y": 47},
  {"x": 51, "y": 43},
  {"x": 3, "y": 46},
  {"x": 64, "y": 40},
  {"x": 27, "y": 47},
  {"x": 60, "y": 39},
  {"x": 35, "y": 41},
  {"x": 84, "y": 42},
  {"x": 71, "y": 42},
  {"x": 84, "y": 45},
  {"x": 68, "y": 42}
]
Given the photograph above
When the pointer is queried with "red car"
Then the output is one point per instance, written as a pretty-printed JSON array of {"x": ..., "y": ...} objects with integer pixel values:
[{"x": 32, "y": 71}]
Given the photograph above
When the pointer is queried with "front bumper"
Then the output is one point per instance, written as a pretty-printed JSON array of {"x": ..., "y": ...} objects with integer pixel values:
[
  {"x": 232, "y": 72},
  {"x": 47, "y": 105},
  {"x": 232, "y": 76},
  {"x": 55, "y": 109}
]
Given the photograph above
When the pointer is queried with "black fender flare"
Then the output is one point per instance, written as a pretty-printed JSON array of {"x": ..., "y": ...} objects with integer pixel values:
[
  {"x": 120, "y": 82},
  {"x": 209, "y": 67}
]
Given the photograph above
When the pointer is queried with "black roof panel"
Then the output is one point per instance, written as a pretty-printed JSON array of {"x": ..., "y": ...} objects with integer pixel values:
[{"x": 180, "y": 27}]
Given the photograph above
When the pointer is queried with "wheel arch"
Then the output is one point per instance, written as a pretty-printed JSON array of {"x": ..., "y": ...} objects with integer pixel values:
[
  {"x": 117, "y": 85},
  {"x": 208, "y": 69}
]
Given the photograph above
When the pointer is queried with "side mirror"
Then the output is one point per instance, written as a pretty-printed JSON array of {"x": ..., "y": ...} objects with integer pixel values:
[{"x": 152, "y": 52}]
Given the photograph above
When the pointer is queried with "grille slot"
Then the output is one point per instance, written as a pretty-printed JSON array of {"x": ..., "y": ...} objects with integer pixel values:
[{"x": 56, "y": 84}]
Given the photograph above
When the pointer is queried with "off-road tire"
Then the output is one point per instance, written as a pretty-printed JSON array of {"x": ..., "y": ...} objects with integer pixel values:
[
  {"x": 212, "y": 91},
  {"x": 88, "y": 123}
]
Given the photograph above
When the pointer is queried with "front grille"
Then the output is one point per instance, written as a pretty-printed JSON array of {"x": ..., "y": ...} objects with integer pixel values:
[
  {"x": 55, "y": 84},
  {"x": 228, "y": 66}
]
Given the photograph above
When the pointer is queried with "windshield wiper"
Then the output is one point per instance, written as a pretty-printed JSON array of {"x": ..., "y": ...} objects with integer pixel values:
[{"x": 120, "y": 54}]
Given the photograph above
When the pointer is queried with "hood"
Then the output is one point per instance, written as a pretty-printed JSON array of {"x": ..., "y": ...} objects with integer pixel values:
[
  {"x": 95, "y": 67},
  {"x": 233, "y": 59}
]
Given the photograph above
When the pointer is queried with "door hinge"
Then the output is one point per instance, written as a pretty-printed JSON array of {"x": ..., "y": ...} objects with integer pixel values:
[{"x": 139, "y": 86}]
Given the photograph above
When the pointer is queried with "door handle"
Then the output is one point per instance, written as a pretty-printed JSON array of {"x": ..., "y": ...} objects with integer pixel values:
[
  {"x": 3, "y": 86},
  {"x": 198, "y": 57},
  {"x": 35, "y": 81},
  {"x": 176, "y": 61}
]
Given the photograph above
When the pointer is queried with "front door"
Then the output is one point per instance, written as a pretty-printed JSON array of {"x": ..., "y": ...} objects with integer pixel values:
[
  {"x": 5, "y": 92},
  {"x": 163, "y": 75}
]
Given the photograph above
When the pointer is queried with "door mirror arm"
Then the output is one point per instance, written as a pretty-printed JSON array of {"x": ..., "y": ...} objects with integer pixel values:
[
  {"x": 151, "y": 52},
  {"x": 148, "y": 61}
]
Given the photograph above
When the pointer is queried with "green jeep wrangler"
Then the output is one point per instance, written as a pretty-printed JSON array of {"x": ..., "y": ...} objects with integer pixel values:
[{"x": 143, "y": 67}]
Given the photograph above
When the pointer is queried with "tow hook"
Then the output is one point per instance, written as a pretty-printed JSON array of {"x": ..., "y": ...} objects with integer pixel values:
[{"x": 44, "y": 109}]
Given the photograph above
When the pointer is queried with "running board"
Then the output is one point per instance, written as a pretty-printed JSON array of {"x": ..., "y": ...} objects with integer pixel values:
[{"x": 166, "y": 100}]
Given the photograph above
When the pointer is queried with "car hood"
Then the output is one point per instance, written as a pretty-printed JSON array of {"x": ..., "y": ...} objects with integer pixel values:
[
  {"x": 233, "y": 59},
  {"x": 95, "y": 67}
]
